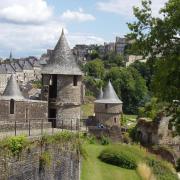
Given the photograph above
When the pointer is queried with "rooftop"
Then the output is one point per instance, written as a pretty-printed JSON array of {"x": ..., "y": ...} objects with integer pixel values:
[
  {"x": 62, "y": 60},
  {"x": 12, "y": 90},
  {"x": 109, "y": 96}
]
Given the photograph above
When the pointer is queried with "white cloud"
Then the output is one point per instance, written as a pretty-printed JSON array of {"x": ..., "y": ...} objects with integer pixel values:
[
  {"x": 124, "y": 7},
  {"x": 29, "y": 27},
  {"x": 79, "y": 16},
  {"x": 25, "y": 11},
  {"x": 81, "y": 38}
]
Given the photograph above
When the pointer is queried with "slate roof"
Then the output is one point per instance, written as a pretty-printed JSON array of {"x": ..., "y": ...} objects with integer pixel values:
[
  {"x": 25, "y": 64},
  {"x": 16, "y": 66},
  {"x": 12, "y": 90},
  {"x": 62, "y": 60},
  {"x": 109, "y": 96}
]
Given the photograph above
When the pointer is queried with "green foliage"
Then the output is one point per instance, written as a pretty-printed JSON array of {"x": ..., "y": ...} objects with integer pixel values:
[
  {"x": 95, "y": 68},
  {"x": 92, "y": 85},
  {"x": 94, "y": 54},
  {"x": 146, "y": 71},
  {"x": 16, "y": 144},
  {"x": 113, "y": 60},
  {"x": 45, "y": 159},
  {"x": 178, "y": 165},
  {"x": 119, "y": 158},
  {"x": 37, "y": 84},
  {"x": 161, "y": 170},
  {"x": 154, "y": 35},
  {"x": 151, "y": 109},
  {"x": 166, "y": 81},
  {"x": 104, "y": 140},
  {"x": 129, "y": 86}
]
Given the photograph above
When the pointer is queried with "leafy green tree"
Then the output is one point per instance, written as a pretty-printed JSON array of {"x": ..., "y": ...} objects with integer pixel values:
[
  {"x": 154, "y": 36},
  {"x": 113, "y": 60},
  {"x": 145, "y": 70},
  {"x": 130, "y": 87},
  {"x": 95, "y": 68},
  {"x": 94, "y": 54},
  {"x": 166, "y": 81}
]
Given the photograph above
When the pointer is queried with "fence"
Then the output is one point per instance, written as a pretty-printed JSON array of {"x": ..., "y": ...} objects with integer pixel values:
[{"x": 35, "y": 127}]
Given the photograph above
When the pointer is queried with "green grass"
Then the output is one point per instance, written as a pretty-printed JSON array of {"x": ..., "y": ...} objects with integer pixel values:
[{"x": 94, "y": 169}]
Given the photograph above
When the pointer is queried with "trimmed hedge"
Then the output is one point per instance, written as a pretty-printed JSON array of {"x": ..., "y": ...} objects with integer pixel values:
[{"x": 118, "y": 158}]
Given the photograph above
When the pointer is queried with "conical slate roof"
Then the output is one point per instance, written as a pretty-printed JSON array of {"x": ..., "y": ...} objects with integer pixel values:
[
  {"x": 62, "y": 61},
  {"x": 109, "y": 96},
  {"x": 12, "y": 90}
]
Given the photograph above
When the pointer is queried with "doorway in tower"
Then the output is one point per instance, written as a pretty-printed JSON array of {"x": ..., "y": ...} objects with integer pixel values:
[
  {"x": 52, "y": 117},
  {"x": 53, "y": 86}
]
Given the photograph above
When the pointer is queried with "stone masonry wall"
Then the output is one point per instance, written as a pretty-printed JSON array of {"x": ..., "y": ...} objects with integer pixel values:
[
  {"x": 64, "y": 165},
  {"x": 24, "y": 110},
  {"x": 111, "y": 108}
]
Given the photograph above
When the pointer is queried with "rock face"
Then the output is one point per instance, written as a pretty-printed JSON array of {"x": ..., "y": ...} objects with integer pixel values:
[{"x": 62, "y": 86}]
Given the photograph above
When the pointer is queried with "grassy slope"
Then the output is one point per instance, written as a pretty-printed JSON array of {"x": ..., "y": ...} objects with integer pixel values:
[{"x": 94, "y": 169}]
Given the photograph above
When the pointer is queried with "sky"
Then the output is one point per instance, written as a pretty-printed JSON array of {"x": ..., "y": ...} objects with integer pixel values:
[{"x": 29, "y": 27}]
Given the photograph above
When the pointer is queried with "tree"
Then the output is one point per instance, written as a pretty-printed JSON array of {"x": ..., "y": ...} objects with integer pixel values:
[
  {"x": 130, "y": 87},
  {"x": 159, "y": 39},
  {"x": 145, "y": 70},
  {"x": 155, "y": 36},
  {"x": 95, "y": 68},
  {"x": 166, "y": 80},
  {"x": 94, "y": 54},
  {"x": 113, "y": 60}
]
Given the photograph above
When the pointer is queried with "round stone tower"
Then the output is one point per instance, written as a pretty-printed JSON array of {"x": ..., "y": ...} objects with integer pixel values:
[
  {"x": 108, "y": 107},
  {"x": 62, "y": 86}
]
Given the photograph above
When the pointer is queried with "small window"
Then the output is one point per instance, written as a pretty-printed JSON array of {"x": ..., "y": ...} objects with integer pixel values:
[
  {"x": 115, "y": 120},
  {"x": 106, "y": 106},
  {"x": 12, "y": 106},
  {"x": 75, "y": 80}
]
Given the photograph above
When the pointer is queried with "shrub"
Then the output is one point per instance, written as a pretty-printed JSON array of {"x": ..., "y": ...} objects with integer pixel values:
[
  {"x": 161, "y": 169},
  {"x": 104, "y": 140},
  {"x": 178, "y": 165},
  {"x": 118, "y": 158},
  {"x": 145, "y": 172},
  {"x": 16, "y": 144},
  {"x": 45, "y": 159}
]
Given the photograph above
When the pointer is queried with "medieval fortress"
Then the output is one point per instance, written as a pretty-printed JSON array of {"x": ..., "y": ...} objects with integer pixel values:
[{"x": 61, "y": 93}]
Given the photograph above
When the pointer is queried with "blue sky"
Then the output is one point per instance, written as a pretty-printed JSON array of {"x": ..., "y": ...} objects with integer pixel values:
[{"x": 29, "y": 27}]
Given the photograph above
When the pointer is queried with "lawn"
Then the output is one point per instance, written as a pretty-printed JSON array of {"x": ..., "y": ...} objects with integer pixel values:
[{"x": 94, "y": 169}]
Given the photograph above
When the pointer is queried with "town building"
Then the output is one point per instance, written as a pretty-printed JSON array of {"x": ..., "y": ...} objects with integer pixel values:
[
  {"x": 120, "y": 45},
  {"x": 62, "y": 86},
  {"x": 25, "y": 70}
]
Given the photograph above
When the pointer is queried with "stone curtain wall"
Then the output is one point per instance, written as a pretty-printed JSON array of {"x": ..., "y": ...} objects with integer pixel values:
[{"x": 64, "y": 165}]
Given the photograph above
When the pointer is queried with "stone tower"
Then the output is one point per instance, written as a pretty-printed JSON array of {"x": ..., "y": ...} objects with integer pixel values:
[
  {"x": 62, "y": 86},
  {"x": 108, "y": 107}
]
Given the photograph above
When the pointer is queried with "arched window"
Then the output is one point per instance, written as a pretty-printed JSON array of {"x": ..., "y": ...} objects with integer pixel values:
[
  {"x": 106, "y": 106},
  {"x": 12, "y": 106},
  {"x": 115, "y": 120}
]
